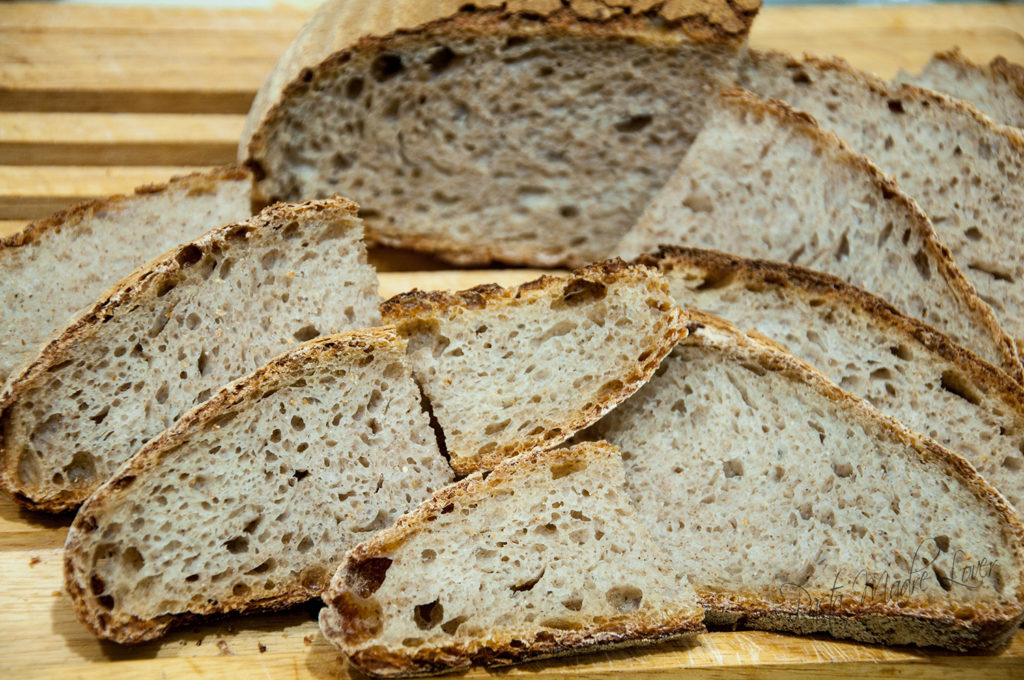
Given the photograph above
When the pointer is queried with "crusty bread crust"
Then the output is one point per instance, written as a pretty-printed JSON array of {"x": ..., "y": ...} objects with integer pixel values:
[{"x": 353, "y": 345}]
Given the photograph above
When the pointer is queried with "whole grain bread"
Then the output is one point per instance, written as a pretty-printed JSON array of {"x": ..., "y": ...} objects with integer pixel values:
[
  {"x": 527, "y": 132},
  {"x": 514, "y": 370},
  {"x": 763, "y": 180},
  {"x": 169, "y": 335},
  {"x": 964, "y": 170},
  {"x": 56, "y": 266},
  {"x": 792, "y": 505},
  {"x": 252, "y": 499},
  {"x": 997, "y": 89},
  {"x": 543, "y": 557}
]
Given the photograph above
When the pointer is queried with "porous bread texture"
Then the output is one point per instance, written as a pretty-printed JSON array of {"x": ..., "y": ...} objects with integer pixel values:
[
  {"x": 495, "y": 134},
  {"x": 866, "y": 347},
  {"x": 997, "y": 89},
  {"x": 172, "y": 333},
  {"x": 251, "y": 500},
  {"x": 543, "y": 557},
  {"x": 763, "y": 180},
  {"x": 56, "y": 266},
  {"x": 792, "y": 505},
  {"x": 965, "y": 171},
  {"x": 510, "y": 371}
]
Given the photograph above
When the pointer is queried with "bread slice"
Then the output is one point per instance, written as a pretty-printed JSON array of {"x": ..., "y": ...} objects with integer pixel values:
[
  {"x": 529, "y": 132},
  {"x": 901, "y": 366},
  {"x": 997, "y": 89},
  {"x": 56, "y": 266},
  {"x": 543, "y": 557},
  {"x": 763, "y": 180},
  {"x": 792, "y": 505},
  {"x": 514, "y": 370},
  {"x": 966, "y": 172},
  {"x": 165, "y": 338},
  {"x": 251, "y": 500}
]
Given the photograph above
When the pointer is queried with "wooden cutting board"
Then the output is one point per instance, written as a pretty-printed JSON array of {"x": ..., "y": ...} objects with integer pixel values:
[{"x": 97, "y": 100}]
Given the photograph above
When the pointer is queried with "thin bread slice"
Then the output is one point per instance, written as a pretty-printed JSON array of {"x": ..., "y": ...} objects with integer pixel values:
[
  {"x": 56, "y": 266},
  {"x": 964, "y": 170},
  {"x": 997, "y": 89},
  {"x": 514, "y": 370},
  {"x": 523, "y": 131},
  {"x": 903, "y": 367},
  {"x": 792, "y": 505},
  {"x": 763, "y": 180},
  {"x": 543, "y": 557},
  {"x": 251, "y": 500},
  {"x": 169, "y": 335}
]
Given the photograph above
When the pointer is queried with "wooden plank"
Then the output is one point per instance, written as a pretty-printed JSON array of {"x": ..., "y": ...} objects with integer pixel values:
[{"x": 284, "y": 17}]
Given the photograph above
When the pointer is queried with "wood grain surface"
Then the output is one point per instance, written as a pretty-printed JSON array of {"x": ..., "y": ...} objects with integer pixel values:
[{"x": 97, "y": 100}]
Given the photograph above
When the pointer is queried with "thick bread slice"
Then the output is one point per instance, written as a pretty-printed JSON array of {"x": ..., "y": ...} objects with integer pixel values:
[
  {"x": 514, "y": 370},
  {"x": 543, "y": 557},
  {"x": 965, "y": 171},
  {"x": 251, "y": 500},
  {"x": 996, "y": 89},
  {"x": 166, "y": 337},
  {"x": 763, "y": 180},
  {"x": 903, "y": 367},
  {"x": 792, "y": 505},
  {"x": 58, "y": 265},
  {"x": 530, "y": 131}
]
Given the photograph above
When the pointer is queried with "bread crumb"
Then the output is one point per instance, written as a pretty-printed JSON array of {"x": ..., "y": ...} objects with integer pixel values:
[
  {"x": 262, "y": 647},
  {"x": 224, "y": 649},
  {"x": 308, "y": 640},
  {"x": 36, "y": 559}
]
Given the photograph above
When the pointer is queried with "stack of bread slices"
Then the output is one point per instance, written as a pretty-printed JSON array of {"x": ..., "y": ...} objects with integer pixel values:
[{"x": 814, "y": 426}]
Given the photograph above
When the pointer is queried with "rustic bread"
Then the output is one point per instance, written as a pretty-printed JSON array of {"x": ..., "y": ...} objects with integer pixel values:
[
  {"x": 543, "y": 557},
  {"x": 763, "y": 180},
  {"x": 514, "y": 370},
  {"x": 965, "y": 171},
  {"x": 58, "y": 265},
  {"x": 166, "y": 337},
  {"x": 996, "y": 89},
  {"x": 528, "y": 131},
  {"x": 792, "y": 505},
  {"x": 251, "y": 500}
]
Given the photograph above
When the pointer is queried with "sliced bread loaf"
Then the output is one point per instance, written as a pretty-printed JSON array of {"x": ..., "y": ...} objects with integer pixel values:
[
  {"x": 997, "y": 89},
  {"x": 527, "y": 131},
  {"x": 763, "y": 180},
  {"x": 172, "y": 333},
  {"x": 903, "y": 367},
  {"x": 543, "y": 557},
  {"x": 513, "y": 370},
  {"x": 792, "y": 505},
  {"x": 58, "y": 265},
  {"x": 965, "y": 171},
  {"x": 251, "y": 500}
]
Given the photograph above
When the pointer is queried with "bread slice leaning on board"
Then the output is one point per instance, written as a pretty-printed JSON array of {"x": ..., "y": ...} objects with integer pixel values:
[
  {"x": 543, "y": 557},
  {"x": 903, "y": 367},
  {"x": 56, "y": 266},
  {"x": 251, "y": 500},
  {"x": 515, "y": 370},
  {"x": 963, "y": 169},
  {"x": 792, "y": 505},
  {"x": 764, "y": 180},
  {"x": 165, "y": 338},
  {"x": 528, "y": 132},
  {"x": 997, "y": 88}
]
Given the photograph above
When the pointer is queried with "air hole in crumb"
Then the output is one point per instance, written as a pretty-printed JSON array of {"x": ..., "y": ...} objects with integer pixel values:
[
  {"x": 133, "y": 558},
  {"x": 428, "y": 615},
  {"x": 428, "y": 555},
  {"x": 625, "y": 598},
  {"x": 354, "y": 88},
  {"x": 528, "y": 584},
  {"x": 188, "y": 256},
  {"x": 307, "y": 332},
  {"x": 842, "y": 469},
  {"x": 733, "y": 468},
  {"x": 942, "y": 577},
  {"x": 567, "y": 468},
  {"x": 956, "y": 384},
  {"x": 896, "y": 106},
  {"x": 366, "y": 577},
  {"x": 901, "y": 352},
  {"x": 573, "y": 604},
  {"x": 942, "y": 543},
  {"x": 239, "y": 544},
  {"x": 801, "y": 78},
  {"x": 569, "y": 211},
  {"x": 923, "y": 267},
  {"x": 634, "y": 123},
  {"x": 449, "y": 627},
  {"x": 386, "y": 66},
  {"x": 441, "y": 59},
  {"x": 973, "y": 234},
  {"x": 579, "y": 291},
  {"x": 298, "y": 424}
]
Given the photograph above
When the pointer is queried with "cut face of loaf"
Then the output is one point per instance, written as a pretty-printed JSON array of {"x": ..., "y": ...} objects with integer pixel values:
[
  {"x": 862, "y": 344},
  {"x": 58, "y": 265},
  {"x": 250, "y": 501},
  {"x": 523, "y": 132},
  {"x": 763, "y": 180},
  {"x": 165, "y": 338},
  {"x": 792, "y": 505},
  {"x": 966, "y": 172},
  {"x": 543, "y": 557},
  {"x": 509, "y": 371}
]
